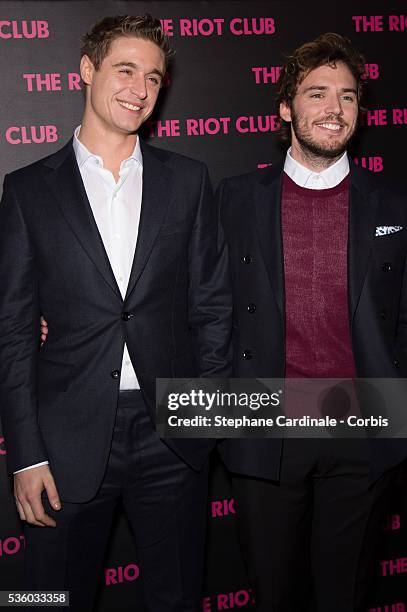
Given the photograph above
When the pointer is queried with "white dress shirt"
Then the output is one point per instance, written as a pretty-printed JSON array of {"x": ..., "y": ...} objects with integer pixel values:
[
  {"x": 328, "y": 178},
  {"x": 116, "y": 208}
]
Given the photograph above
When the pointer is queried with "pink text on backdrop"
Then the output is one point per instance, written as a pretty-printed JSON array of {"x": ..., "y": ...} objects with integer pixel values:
[
  {"x": 117, "y": 575},
  {"x": 271, "y": 74},
  {"x": 258, "y": 123},
  {"x": 51, "y": 81},
  {"x": 48, "y": 81},
  {"x": 24, "y": 29},
  {"x": 395, "y": 607},
  {"x": 34, "y": 134},
  {"x": 390, "y": 567},
  {"x": 74, "y": 81},
  {"x": 211, "y": 126},
  {"x": 375, "y": 164},
  {"x": 399, "y": 116},
  {"x": 374, "y": 117},
  {"x": 398, "y": 23},
  {"x": 2, "y": 449},
  {"x": 164, "y": 128},
  {"x": 254, "y": 25},
  {"x": 168, "y": 26},
  {"x": 266, "y": 74},
  {"x": 201, "y": 27},
  {"x": 12, "y": 545},
  {"x": 238, "y": 26},
  {"x": 368, "y": 23},
  {"x": 228, "y": 601},
  {"x": 374, "y": 23},
  {"x": 392, "y": 522},
  {"x": 223, "y": 507},
  {"x": 371, "y": 72}
]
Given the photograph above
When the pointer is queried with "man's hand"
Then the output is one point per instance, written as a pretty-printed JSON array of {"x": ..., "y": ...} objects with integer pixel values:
[
  {"x": 28, "y": 486},
  {"x": 44, "y": 330}
]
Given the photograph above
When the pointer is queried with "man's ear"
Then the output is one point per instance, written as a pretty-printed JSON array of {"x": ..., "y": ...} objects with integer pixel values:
[
  {"x": 285, "y": 111},
  {"x": 87, "y": 70}
]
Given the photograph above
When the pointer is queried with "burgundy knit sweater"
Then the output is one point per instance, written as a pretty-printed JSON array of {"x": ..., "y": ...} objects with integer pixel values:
[{"x": 315, "y": 238}]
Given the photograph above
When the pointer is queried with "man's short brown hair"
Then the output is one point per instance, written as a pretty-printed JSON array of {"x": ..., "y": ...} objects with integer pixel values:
[
  {"x": 96, "y": 43},
  {"x": 327, "y": 49}
]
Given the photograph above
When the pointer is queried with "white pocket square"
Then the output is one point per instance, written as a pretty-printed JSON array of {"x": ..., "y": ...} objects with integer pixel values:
[{"x": 385, "y": 230}]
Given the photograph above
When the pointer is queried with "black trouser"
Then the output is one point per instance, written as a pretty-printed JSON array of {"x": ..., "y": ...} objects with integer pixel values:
[
  {"x": 309, "y": 540},
  {"x": 165, "y": 502}
]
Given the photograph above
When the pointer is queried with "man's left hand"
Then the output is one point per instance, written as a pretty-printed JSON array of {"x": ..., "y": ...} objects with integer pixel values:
[{"x": 44, "y": 330}]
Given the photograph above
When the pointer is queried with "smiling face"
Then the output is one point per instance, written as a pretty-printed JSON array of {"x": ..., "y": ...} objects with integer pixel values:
[
  {"x": 323, "y": 115},
  {"x": 122, "y": 94}
]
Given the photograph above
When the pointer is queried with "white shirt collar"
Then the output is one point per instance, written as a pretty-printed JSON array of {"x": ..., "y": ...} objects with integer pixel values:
[
  {"x": 328, "y": 178},
  {"x": 83, "y": 154}
]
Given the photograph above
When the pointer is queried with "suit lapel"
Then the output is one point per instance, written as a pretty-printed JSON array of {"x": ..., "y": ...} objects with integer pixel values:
[
  {"x": 155, "y": 199},
  {"x": 362, "y": 222},
  {"x": 64, "y": 179},
  {"x": 268, "y": 221}
]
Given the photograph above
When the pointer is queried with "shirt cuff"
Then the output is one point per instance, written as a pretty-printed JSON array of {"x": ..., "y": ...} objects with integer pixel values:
[{"x": 30, "y": 467}]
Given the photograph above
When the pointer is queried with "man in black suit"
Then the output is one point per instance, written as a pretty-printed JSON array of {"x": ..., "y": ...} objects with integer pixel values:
[
  {"x": 318, "y": 262},
  {"x": 117, "y": 245}
]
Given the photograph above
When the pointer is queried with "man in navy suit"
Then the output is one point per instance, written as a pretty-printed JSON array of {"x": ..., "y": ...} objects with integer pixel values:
[
  {"x": 318, "y": 262},
  {"x": 117, "y": 245}
]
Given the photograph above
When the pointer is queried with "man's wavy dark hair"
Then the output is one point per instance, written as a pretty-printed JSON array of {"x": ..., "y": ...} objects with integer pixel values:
[
  {"x": 96, "y": 43},
  {"x": 327, "y": 49}
]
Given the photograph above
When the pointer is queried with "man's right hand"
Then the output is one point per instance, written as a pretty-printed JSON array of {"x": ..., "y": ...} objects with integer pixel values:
[{"x": 28, "y": 486}]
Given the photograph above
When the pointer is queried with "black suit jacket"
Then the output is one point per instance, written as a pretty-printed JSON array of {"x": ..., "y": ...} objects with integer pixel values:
[
  {"x": 58, "y": 403},
  {"x": 377, "y": 288}
]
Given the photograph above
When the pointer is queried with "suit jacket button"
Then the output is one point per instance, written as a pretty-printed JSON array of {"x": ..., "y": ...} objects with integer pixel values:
[
  {"x": 383, "y": 315},
  {"x": 126, "y": 316},
  {"x": 247, "y": 354},
  {"x": 396, "y": 363},
  {"x": 251, "y": 307},
  {"x": 247, "y": 259},
  {"x": 115, "y": 374},
  {"x": 386, "y": 267}
]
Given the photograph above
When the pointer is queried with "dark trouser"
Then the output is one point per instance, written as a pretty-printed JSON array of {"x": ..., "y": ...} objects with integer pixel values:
[
  {"x": 309, "y": 540},
  {"x": 165, "y": 502}
]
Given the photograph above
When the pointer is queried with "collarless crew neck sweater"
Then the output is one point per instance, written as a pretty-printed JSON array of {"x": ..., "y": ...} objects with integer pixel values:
[{"x": 315, "y": 239}]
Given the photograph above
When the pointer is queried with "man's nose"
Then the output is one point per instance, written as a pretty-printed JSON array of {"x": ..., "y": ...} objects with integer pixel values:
[
  {"x": 333, "y": 105},
  {"x": 138, "y": 86}
]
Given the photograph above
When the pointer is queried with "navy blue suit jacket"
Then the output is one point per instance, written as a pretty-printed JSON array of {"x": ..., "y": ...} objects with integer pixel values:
[
  {"x": 58, "y": 403},
  {"x": 250, "y": 208}
]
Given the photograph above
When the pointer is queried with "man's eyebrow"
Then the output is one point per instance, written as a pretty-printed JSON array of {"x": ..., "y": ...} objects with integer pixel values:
[
  {"x": 324, "y": 88},
  {"x": 316, "y": 87},
  {"x": 133, "y": 65}
]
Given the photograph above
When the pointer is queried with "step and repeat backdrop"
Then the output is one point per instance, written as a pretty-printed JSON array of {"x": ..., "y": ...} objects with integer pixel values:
[{"x": 218, "y": 106}]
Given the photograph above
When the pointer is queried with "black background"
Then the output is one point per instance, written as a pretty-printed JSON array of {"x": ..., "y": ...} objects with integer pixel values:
[{"x": 211, "y": 77}]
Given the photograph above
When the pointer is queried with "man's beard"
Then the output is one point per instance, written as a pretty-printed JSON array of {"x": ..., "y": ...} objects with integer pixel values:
[{"x": 317, "y": 149}]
